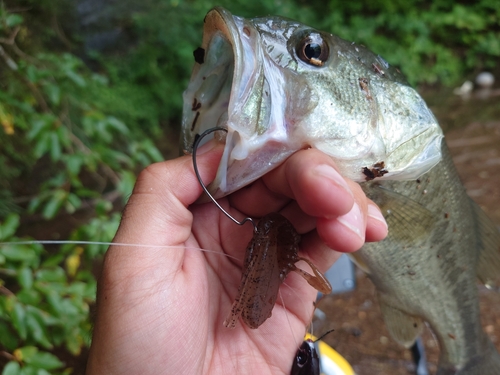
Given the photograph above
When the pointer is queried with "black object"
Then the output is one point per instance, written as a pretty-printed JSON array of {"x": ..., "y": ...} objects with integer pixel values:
[
  {"x": 418, "y": 353},
  {"x": 306, "y": 359},
  {"x": 199, "y": 55}
]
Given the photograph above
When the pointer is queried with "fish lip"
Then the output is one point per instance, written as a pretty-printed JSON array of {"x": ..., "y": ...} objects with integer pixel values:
[
  {"x": 232, "y": 104},
  {"x": 200, "y": 112}
]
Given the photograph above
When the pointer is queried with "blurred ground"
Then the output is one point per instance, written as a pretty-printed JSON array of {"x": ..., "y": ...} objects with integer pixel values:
[{"x": 472, "y": 128}]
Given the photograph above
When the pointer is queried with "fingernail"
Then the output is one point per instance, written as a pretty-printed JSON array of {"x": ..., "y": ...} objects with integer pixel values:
[
  {"x": 375, "y": 213},
  {"x": 331, "y": 174},
  {"x": 353, "y": 220},
  {"x": 210, "y": 145}
]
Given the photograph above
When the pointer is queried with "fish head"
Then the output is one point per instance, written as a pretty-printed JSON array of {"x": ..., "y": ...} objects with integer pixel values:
[{"x": 278, "y": 86}]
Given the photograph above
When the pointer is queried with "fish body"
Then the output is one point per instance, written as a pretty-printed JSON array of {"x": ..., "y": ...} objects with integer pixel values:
[
  {"x": 439, "y": 244},
  {"x": 278, "y": 86}
]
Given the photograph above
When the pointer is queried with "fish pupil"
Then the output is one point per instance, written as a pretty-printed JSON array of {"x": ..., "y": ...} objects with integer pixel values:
[{"x": 312, "y": 50}]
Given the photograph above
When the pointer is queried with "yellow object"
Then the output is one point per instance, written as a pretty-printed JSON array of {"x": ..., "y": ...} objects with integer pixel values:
[
  {"x": 332, "y": 363},
  {"x": 7, "y": 121},
  {"x": 73, "y": 261}
]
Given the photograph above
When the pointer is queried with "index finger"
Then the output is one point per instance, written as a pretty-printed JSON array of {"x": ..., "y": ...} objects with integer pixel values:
[{"x": 309, "y": 177}]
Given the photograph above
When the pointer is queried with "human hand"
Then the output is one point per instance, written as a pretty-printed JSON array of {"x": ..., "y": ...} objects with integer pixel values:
[{"x": 160, "y": 308}]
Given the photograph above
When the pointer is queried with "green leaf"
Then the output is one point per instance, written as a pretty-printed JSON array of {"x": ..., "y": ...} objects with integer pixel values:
[
  {"x": 7, "y": 336},
  {"x": 25, "y": 353},
  {"x": 29, "y": 296},
  {"x": 34, "y": 204},
  {"x": 54, "y": 274},
  {"x": 152, "y": 151},
  {"x": 116, "y": 124},
  {"x": 102, "y": 207},
  {"x": 18, "y": 253},
  {"x": 9, "y": 226},
  {"x": 25, "y": 277},
  {"x": 18, "y": 316},
  {"x": 53, "y": 260},
  {"x": 54, "y": 93},
  {"x": 74, "y": 200},
  {"x": 74, "y": 346},
  {"x": 74, "y": 163},
  {"x": 55, "y": 149},
  {"x": 13, "y": 20},
  {"x": 126, "y": 184},
  {"x": 37, "y": 126},
  {"x": 76, "y": 78},
  {"x": 37, "y": 329},
  {"x": 32, "y": 73},
  {"x": 29, "y": 370},
  {"x": 42, "y": 144},
  {"x": 12, "y": 368},
  {"x": 55, "y": 302},
  {"x": 54, "y": 204}
]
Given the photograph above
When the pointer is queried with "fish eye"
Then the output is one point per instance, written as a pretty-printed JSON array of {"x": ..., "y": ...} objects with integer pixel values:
[{"x": 313, "y": 50}]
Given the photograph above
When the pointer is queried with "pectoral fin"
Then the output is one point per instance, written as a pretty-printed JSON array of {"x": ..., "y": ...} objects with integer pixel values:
[
  {"x": 408, "y": 220},
  {"x": 403, "y": 328},
  {"x": 488, "y": 268}
]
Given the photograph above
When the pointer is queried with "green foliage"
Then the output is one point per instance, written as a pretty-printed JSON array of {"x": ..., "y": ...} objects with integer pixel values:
[
  {"x": 440, "y": 41},
  {"x": 44, "y": 301},
  {"x": 62, "y": 149},
  {"x": 77, "y": 124}
]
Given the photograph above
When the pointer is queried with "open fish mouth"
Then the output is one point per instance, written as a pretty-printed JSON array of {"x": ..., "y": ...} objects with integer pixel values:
[
  {"x": 229, "y": 88},
  {"x": 252, "y": 79}
]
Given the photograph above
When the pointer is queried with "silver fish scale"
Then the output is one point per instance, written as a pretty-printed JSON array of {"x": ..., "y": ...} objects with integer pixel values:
[{"x": 425, "y": 270}]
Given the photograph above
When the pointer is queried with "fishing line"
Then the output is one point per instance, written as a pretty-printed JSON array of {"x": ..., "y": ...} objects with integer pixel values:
[
  {"x": 304, "y": 308},
  {"x": 195, "y": 147},
  {"x": 68, "y": 242},
  {"x": 286, "y": 315}
]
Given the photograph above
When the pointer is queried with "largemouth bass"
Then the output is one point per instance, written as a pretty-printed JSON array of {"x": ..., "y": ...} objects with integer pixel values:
[{"x": 279, "y": 86}]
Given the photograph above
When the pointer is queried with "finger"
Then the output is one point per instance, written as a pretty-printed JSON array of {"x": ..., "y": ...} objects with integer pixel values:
[
  {"x": 346, "y": 233},
  {"x": 315, "y": 249},
  {"x": 302, "y": 222},
  {"x": 376, "y": 226},
  {"x": 157, "y": 213},
  {"x": 257, "y": 200},
  {"x": 310, "y": 177}
]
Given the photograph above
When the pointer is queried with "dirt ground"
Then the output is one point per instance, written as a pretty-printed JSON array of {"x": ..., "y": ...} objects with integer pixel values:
[{"x": 472, "y": 128}]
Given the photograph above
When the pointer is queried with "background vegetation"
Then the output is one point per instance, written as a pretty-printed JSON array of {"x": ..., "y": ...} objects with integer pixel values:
[{"x": 90, "y": 93}]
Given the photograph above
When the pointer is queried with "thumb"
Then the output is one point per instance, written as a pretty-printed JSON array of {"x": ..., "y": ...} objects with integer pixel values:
[{"x": 157, "y": 212}]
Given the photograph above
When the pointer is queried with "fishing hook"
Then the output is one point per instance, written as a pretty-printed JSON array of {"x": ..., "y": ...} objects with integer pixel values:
[{"x": 197, "y": 141}]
